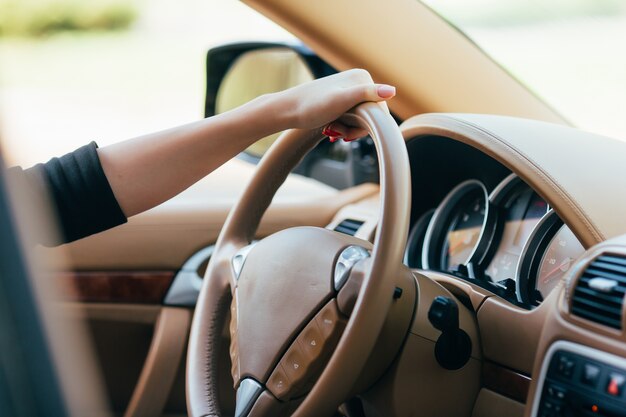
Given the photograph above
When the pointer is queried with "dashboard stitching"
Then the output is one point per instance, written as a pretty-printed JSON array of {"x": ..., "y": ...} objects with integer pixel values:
[{"x": 568, "y": 199}]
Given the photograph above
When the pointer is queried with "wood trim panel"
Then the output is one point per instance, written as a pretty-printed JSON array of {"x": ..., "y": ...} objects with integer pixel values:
[
  {"x": 505, "y": 381},
  {"x": 142, "y": 287}
]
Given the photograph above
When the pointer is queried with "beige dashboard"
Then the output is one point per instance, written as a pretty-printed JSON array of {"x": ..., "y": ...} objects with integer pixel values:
[{"x": 576, "y": 173}]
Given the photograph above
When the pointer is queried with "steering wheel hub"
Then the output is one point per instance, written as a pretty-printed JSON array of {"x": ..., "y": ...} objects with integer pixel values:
[{"x": 284, "y": 298}]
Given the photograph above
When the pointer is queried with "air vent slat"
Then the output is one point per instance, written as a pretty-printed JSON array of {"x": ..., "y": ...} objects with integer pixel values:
[
  {"x": 592, "y": 272},
  {"x": 597, "y": 302},
  {"x": 348, "y": 226},
  {"x": 345, "y": 230},
  {"x": 617, "y": 290},
  {"x": 599, "y": 307},
  {"x": 612, "y": 259},
  {"x": 615, "y": 298},
  {"x": 598, "y": 318},
  {"x": 588, "y": 276},
  {"x": 610, "y": 267}
]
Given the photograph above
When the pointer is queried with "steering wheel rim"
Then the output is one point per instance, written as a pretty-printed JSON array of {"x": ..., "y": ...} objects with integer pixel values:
[{"x": 374, "y": 300}]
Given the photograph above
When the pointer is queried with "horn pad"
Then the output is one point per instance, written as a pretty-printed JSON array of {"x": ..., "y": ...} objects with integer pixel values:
[{"x": 284, "y": 296}]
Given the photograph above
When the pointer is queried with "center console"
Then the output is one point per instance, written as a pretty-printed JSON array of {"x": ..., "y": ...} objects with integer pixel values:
[{"x": 576, "y": 380}]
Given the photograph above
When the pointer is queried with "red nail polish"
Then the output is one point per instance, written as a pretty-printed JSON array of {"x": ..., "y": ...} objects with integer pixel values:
[
  {"x": 330, "y": 132},
  {"x": 349, "y": 140},
  {"x": 334, "y": 139}
]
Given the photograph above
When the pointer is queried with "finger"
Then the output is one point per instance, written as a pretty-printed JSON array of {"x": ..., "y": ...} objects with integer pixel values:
[
  {"x": 354, "y": 133},
  {"x": 348, "y": 133},
  {"x": 359, "y": 75},
  {"x": 370, "y": 92},
  {"x": 332, "y": 132}
]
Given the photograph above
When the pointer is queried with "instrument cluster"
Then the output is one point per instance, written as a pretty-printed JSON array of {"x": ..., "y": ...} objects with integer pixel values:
[{"x": 508, "y": 240}]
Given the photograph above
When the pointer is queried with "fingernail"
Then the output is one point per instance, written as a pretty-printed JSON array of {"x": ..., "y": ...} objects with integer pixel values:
[
  {"x": 386, "y": 91},
  {"x": 330, "y": 132},
  {"x": 349, "y": 140},
  {"x": 334, "y": 139}
]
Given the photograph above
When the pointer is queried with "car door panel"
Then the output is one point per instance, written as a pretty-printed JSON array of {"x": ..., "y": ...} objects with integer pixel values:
[{"x": 117, "y": 282}]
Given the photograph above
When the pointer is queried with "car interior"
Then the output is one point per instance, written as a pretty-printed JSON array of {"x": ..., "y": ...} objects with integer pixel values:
[{"x": 466, "y": 258}]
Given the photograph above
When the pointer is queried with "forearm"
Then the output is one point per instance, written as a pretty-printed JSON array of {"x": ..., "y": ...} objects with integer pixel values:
[{"x": 148, "y": 170}]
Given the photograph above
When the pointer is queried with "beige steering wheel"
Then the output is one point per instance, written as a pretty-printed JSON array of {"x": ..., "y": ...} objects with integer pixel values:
[{"x": 303, "y": 319}]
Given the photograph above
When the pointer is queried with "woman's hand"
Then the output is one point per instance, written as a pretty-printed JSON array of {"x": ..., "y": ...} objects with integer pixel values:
[{"x": 319, "y": 103}]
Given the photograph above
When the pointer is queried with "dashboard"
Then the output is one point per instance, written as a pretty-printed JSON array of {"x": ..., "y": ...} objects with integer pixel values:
[
  {"x": 519, "y": 220},
  {"x": 485, "y": 225},
  {"x": 508, "y": 240}
]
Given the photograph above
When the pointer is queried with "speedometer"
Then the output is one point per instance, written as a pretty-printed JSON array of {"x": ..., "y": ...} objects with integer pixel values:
[
  {"x": 454, "y": 235},
  {"x": 562, "y": 250},
  {"x": 519, "y": 210},
  {"x": 464, "y": 231},
  {"x": 548, "y": 255}
]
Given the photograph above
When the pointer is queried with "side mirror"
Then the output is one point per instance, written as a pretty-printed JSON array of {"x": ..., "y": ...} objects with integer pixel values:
[
  {"x": 240, "y": 72},
  {"x": 259, "y": 72}
]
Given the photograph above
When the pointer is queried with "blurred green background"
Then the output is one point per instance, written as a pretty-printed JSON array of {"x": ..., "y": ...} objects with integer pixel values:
[
  {"x": 72, "y": 71},
  {"x": 511, "y": 13},
  {"x": 44, "y": 17},
  {"x": 64, "y": 87}
]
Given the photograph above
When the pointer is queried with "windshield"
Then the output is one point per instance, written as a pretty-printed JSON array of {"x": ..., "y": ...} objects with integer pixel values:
[{"x": 568, "y": 52}]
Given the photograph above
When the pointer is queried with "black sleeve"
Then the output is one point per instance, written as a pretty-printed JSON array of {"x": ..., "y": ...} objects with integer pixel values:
[{"x": 79, "y": 192}]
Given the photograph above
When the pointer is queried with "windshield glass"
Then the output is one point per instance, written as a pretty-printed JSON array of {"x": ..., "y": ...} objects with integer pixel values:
[{"x": 568, "y": 52}]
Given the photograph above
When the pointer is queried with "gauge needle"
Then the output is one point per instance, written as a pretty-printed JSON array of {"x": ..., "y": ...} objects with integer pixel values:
[
  {"x": 459, "y": 243},
  {"x": 561, "y": 265},
  {"x": 462, "y": 239}
]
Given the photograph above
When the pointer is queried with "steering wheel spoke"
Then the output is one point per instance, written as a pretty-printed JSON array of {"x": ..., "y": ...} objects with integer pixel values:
[
  {"x": 240, "y": 259},
  {"x": 248, "y": 392},
  {"x": 348, "y": 257}
]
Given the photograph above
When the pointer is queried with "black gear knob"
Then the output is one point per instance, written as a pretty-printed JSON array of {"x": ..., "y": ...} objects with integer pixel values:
[
  {"x": 444, "y": 314},
  {"x": 454, "y": 346}
]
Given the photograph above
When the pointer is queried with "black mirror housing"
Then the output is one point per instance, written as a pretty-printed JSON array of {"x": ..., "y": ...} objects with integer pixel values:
[{"x": 221, "y": 58}]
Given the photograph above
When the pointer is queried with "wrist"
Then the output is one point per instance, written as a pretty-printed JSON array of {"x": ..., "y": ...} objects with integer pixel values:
[
  {"x": 260, "y": 117},
  {"x": 279, "y": 110}
]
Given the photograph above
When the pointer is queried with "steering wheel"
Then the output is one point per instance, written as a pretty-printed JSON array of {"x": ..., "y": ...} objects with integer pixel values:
[{"x": 306, "y": 304}]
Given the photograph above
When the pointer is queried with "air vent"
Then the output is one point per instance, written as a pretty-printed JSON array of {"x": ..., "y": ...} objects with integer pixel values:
[
  {"x": 348, "y": 226},
  {"x": 599, "y": 293}
]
